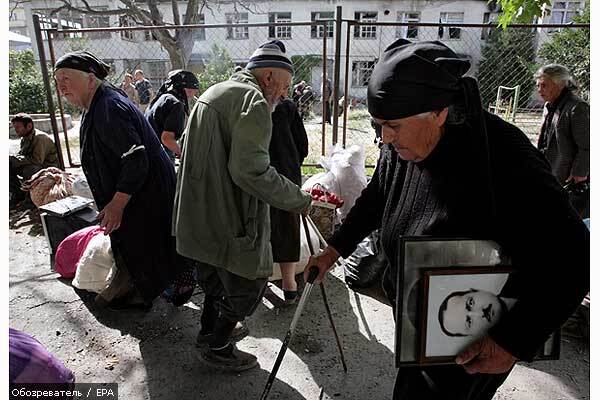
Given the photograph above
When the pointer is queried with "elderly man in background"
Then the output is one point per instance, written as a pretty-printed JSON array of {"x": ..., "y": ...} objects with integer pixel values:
[
  {"x": 144, "y": 90},
  {"x": 130, "y": 176},
  {"x": 450, "y": 169},
  {"x": 565, "y": 133},
  {"x": 225, "y": 185},
  {"x": 37, "y": 152}
]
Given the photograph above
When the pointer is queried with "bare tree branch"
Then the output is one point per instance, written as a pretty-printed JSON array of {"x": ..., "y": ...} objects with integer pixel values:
[
  {"x": 67, "y": 5},
  {"x": 17, "y": 4}
]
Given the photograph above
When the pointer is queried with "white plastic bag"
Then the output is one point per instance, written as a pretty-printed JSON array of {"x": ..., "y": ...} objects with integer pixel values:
[
  {"x": 82, "y": 188},
  {"x": 96, "y": 267}
]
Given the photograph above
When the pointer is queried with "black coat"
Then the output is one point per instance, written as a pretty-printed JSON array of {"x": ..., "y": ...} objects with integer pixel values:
[
  {"x": 121, "y": 152},
  {"x": 287, "y": 150},
  {"x": 534, "y": 223}
]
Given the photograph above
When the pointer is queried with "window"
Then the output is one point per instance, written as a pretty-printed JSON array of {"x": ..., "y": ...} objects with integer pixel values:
[
  {"x": 410, "y": 31},
  {"x": 564, "y": 11},
  {"x": 125, "y": 20},
  {"x": 156, "y": 72},
  {"x": 491, "y": 19},
  {"x": 200, "y": 33},
  {"x": 317, "y": 31},
  {"x": 280, "y": 32},
  {"x": 63, "y": 20},
  {"x": 450, "y": 18},
  {"x": 365, "y": 31},
  {"x": 148, "y": 35},
  {"x": 97, "y": 21},
  {"x": 237, "y": 32},
  {"x": 361, "y": 72}
]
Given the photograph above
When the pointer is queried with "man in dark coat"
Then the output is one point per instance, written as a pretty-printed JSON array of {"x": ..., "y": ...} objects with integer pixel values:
[
  {"x": 565, "y": 134},
  {"x": 450, "y": 169},
  {"x": 130, "y": 176},
  {"x": 287, "y": 150}
]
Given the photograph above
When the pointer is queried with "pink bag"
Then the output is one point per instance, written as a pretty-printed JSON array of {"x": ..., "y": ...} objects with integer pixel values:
[{"x": 71, "y": 249}]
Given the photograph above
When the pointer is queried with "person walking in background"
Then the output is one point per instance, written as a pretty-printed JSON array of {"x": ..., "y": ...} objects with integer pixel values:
[
  {"x": 565, "y": 133},
  {"x": 168, "y": 111},
  {"x": 326, "y": 92},
  {"x": 288, "y": 148},
  {"x": 144, "y": 89},
  {"x": 129, "y": 88}
]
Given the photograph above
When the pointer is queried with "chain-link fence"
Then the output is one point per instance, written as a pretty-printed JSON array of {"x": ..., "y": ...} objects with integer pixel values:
[{"x": 503, "y": 61}]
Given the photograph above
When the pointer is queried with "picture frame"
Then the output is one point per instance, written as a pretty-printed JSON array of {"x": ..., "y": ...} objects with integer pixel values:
[
  {"x": 415, "y": 254},
  {"x": 459, "y": 306}
]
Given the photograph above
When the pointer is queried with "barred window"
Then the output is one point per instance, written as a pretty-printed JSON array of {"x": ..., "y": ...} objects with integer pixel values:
[
  {"x": 410, "y": 31},
  {"x": 126, "y": 20},
  {"x": 365, "y": 31},
  {"x": 564, "y": 11},
  {"x": 237, "y": 32},
  {"x": 98, "y": 21},
  {"x": 361, "y": 72},
  {"x": 62, "y": 20},
  {"x": 317, "y": 31},
  {"x": 280, "y": 32},
  {"x": 450, "y": 33}
]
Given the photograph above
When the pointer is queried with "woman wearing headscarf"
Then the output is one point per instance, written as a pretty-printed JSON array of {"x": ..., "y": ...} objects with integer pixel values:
[
  {"x": 450, "y": 169},
  {"x": 168, "y": 110},
  {"x": 130, "y": 176}
]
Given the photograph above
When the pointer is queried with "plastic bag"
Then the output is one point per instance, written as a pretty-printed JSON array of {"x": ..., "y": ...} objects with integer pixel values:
[{"x": 365, "y": 266}]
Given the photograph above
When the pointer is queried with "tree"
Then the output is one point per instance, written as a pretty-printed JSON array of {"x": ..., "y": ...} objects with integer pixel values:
[
  {"x": 571, "y": 48},
  {"x": 26, "y": 86},
  {"x": 178, "y": 43},
  {"x": 520, "y": 11},
  {"x": 507, "y": 59},
  {"x": 218, "y": 68}
]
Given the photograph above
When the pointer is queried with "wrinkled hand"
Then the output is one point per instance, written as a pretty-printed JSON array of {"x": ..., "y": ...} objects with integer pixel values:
[
  {"x": 112, "y": 214},
  {"x": 324, "y": 261},
  {"x": 485, "y": 356}
]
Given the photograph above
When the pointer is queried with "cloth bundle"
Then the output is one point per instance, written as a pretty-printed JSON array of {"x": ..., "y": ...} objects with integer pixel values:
[{"x": 48, "y": 185}]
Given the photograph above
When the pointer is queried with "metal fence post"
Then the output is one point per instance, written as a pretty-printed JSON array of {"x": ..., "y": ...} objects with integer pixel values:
[
  {"x": 346, "y": 74},
  {"x": 336, "y": 72},
  {"x": 45, "y": 76}
]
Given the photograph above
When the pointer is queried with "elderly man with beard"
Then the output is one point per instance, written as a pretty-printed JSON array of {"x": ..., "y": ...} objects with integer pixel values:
[
  {"x": 130, "y": 176},
  {"x": 225, "y": 185},
  {"x": 450, "y": 169}
]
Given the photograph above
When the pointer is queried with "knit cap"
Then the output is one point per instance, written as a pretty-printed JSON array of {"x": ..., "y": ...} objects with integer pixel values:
[{"x": 270, "y": 55}]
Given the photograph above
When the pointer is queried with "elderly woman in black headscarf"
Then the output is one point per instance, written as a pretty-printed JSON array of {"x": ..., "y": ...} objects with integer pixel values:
[
  {"x": 130, "y": 176},
  {"x": 449, "y": 169},
  {"x": 168, "y": 111}
]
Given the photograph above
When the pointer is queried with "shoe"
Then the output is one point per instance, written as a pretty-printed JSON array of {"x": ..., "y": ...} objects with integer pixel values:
[
  {"x": 239, "y": 332},
  {"x": 290, "y": 297},
  {"x": 228, "y": 359}
]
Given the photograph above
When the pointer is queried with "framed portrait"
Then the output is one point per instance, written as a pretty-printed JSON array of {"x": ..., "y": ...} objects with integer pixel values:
[
  {"x": 415, "y": 256},
  {"x": 459, "y": 306}
]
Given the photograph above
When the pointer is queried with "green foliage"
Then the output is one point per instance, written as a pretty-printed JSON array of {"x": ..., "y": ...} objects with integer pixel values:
[
  {"x": 571, "y": 48},
  {"x": 522, "y": 11},
  {"x": 26, "y": 86},
  {"x": 303, "y": 66},
  {"x": 507, "y": 59},
  {"x": 219, "y": 68}
]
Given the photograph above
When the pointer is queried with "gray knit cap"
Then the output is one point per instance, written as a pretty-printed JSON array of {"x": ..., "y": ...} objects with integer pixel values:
[{"x": 270, "y": 55}]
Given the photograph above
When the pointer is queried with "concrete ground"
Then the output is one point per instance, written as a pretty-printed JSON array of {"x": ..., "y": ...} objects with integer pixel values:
[{"x": 152, "y": 355}]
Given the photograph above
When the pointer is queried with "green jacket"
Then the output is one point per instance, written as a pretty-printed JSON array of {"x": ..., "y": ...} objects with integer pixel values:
[
  {"x": 225, "y": 183},
  {"x": 37, "y": 149}
]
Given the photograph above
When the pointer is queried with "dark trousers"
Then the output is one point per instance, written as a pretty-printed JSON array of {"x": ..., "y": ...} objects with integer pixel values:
[
  {"x": 16, "y": 177},
  {"x": 445, "y": 382},
  {"x": 327, "y": 115},
  {"x": 232, "y": 296}
]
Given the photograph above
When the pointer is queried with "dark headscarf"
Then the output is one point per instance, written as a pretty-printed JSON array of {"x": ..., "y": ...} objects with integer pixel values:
[
  {"x": 176, "y": 82},
  {"x": 83, "y": 61},
  {"x": 414, "y": 78}
]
